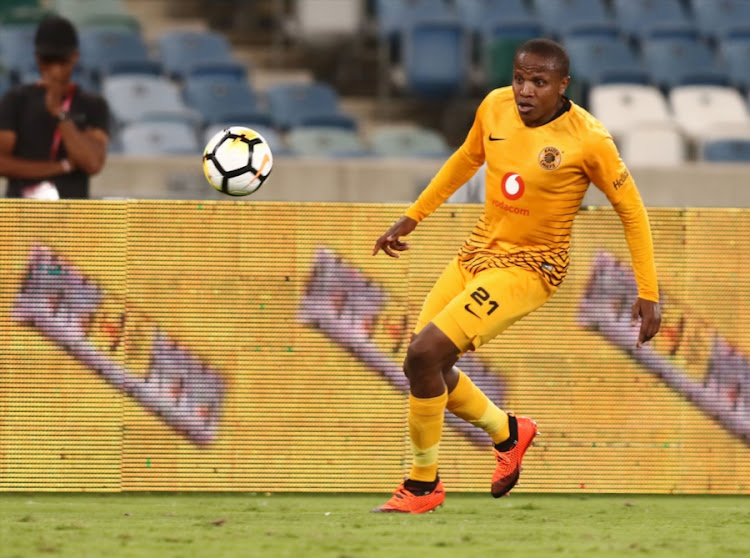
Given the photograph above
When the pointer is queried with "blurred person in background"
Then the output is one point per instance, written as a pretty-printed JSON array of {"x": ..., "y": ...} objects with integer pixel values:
[{"x": 53, "y": 135}]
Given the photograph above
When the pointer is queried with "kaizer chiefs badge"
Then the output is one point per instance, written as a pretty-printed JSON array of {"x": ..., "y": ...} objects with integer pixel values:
[{"x": 550, "y": 158}]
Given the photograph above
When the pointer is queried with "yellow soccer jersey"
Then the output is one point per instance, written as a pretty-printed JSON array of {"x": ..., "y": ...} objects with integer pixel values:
[{"x": 535, "y": 182}]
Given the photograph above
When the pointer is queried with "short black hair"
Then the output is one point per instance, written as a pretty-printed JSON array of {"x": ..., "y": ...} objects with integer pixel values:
[
  {"x": 547, "y": 48},
  {"x": 55, "y": 36}
]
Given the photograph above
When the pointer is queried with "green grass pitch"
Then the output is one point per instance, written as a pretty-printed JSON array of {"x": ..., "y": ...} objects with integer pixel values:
[{"x": 164, "y": 525}]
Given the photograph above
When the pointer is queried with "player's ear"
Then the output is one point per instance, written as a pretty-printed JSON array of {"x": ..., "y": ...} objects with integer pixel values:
[{"x": 564, "y": 82}]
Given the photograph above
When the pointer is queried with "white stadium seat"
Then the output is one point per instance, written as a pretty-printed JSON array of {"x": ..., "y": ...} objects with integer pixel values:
[
  {"x": 699, "y": 107},
  {"x": 653, "y": 145},
  {"x": 622, "y": 106}
]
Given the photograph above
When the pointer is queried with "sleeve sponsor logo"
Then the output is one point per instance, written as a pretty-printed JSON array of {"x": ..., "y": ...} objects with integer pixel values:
[{"x": 617, "y": 184}]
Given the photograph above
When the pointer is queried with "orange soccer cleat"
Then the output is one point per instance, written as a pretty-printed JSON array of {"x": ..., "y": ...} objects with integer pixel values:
[
  {"x": 405, "y": 501},
  {"x": 510, "y": 454}
]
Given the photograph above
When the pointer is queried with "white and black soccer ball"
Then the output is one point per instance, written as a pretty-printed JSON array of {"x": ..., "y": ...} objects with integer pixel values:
[{"x": 237, "y": 161}]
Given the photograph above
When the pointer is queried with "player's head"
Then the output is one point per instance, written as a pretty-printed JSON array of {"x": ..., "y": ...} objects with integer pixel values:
[
  {"x": 56, "y": 48},
  {"x": 540, "y": 76}
]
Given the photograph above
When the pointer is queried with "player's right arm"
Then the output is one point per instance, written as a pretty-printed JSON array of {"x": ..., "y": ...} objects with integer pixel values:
[
  {"x": 456, "y": 171},
  {"x": 17, "y": 167}
]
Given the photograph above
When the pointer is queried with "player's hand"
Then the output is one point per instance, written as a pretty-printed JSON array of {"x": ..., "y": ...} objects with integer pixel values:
[
  {"x": 391, "y": 242},
  {"x": 649, "y": 313}
]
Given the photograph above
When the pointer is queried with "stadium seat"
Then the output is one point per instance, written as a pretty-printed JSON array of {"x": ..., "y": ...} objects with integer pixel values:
[
  {"x": 17, "y": 49},
  {"x": 316, "y": 21},
  {"x": 698, "y": 107},
  {"x": 486, "y": 16},
  {"x": 498, "y": 51},
  {"x": 306, "y": 104},
  {"x": 326, "y": 142},
  {"x": 734, "y": 56},
  {"x": 726, "y": 130},
  {"x": 498, "y": 27},
  {"x": 394, "y": 16},
  {"x": 111, "y": 14},
  {"x": 647, "y": 18},
  {"x": 136, "y": 97},
  {"x": 716, "y": 19},
  {"x": 597, "y": 60},
  {"x": 222, "y": 99},
  {"x": 156, "y": 138},
  {"x": 673, "y": 61},
  {"x": 437, "y": 59},
  {"x": 183, "y": 52},
  {"x": 77, "y": 9},
  {"x": 652, "y": 145},
  {"x": 726, "y": 150},
  {"x": 271, "y": 136},
  {"x": 621, "y": 107},
  {"x": 408, "y": 141},
  {"x": 562, "y": 18},
  {"x": 101, "y": 49}
]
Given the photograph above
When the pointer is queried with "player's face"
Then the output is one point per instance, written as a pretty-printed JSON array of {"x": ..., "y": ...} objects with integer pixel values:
[{"x": 538, "y": 87}]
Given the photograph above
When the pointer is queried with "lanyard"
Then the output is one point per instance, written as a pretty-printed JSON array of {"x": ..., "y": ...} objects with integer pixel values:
[{"x": 57, "y": 137}]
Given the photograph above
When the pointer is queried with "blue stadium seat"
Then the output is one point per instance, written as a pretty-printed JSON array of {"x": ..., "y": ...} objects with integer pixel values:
[
  {"x": 597, "y": 60},
  {"x": 437, "y": 59},
  {"x": 483, "y": 16},
  {"x": 326, "y": 142},
  {"x": 727, "y": 150},
  {"x": 102, "y": 48},
  {"x": 497, "y": 21},
  {"x": 156, "y": 138},
  {"x": 136, "y": 66},
  {"x": 137, "y": 97},
  {"x": 17, "y": 49},
  {"x": 408, "y": 141},
  {"x": 718, "y": 18},
  {"x": 561, "y": 18},
  {"x": 222, "y": 99},
  {"x": 303, "y": 104},
  {"x": 734, "y": 55},
  {"x": 675, "y": 61},
  {"x": 394, "y": 16},
  {"x": 182, "y": 52},
  {"x": 654, "y": 18}
]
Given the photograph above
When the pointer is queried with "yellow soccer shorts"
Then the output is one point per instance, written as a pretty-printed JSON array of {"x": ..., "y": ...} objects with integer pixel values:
[{"x": 472, "y": 309}]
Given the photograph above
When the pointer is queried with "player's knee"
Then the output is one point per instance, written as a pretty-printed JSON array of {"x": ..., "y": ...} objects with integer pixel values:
[{"x": 422, "y": 359}]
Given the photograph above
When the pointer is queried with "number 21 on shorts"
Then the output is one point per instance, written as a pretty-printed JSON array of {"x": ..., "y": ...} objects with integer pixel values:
[{"x": 482, "y": 298}]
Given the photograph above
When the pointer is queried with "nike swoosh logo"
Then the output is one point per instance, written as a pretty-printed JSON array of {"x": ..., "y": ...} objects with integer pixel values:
[
  {"x": 469, "y": 310},
  {"x": 495, "y": 139}
]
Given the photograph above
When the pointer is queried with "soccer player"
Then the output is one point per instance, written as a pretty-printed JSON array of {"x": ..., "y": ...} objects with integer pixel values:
[{"x": 542, "y": 152}]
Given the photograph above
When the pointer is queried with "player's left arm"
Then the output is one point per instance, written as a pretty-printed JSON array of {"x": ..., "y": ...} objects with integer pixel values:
[
  {"x": 608, "y": 172},
  {"x": 87, "y": 148}
]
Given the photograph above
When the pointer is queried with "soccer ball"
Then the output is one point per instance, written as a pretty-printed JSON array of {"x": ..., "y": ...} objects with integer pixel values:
[{"x": 237, "y": 161}]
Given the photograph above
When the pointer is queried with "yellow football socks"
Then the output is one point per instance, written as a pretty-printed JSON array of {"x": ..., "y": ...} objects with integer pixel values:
[
  {"x": 467, "y": 401},
  {"x": 425, "y": 429}
]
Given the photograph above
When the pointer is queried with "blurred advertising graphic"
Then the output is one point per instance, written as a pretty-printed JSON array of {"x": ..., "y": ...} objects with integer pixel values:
[
  {"x": 70, "y": 310},
  {"x": 718, "y": 376}
]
